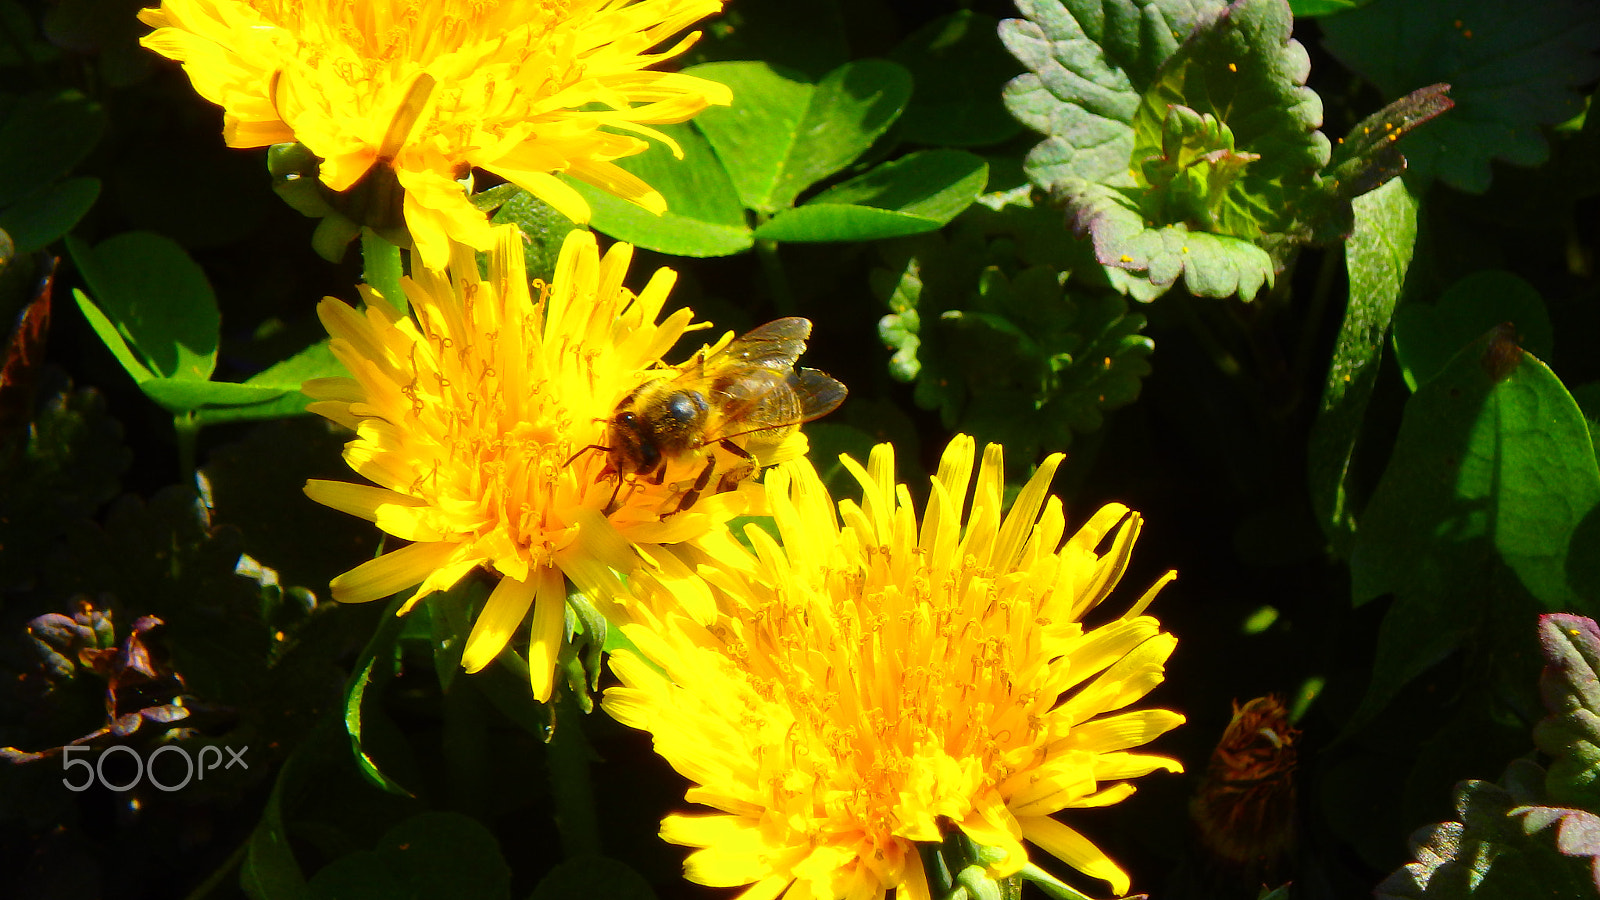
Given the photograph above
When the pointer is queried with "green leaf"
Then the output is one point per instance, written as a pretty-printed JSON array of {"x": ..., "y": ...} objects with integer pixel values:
[
  {"x": 1088, "y": 62},
  {"x": 107, "y": 331},
  {"x": 959, "y": 67},
  {"x": 916, "y": 193},
  {"x": 545, "y": 228},
  {"x": 434, "y": 854},
  {"x": 1486, "y": 855},
  {"x": 1308, "y": 9},
  {"x": 372, "y": 667},
  {"x": 823, "y": 222},
  {"x": 1492, "y": 446},
  {"x": 934, "y": 184},
  {"x": 1426, "y": 337},
  {"x": 269, "y": 870},
  {"x": 1005, "y": 349},
  {"x": 1474, "y": 516},
  {"x": 1177, "y": 160},
  {"x": 158, "y": 301},
  {"x": 1510, "y": 67},
  {"x": 278, "y": 387},
  {"x": 42, "y": 137},
  {"x": 45, "y": 216},
  {"x": 1570, "y": 689},
  {"x": 704, "y": 215},
  {"x": 180, "y": 395},
  {"x": 1377, "y": 257},
  {"x": 784, "y": 133},
  {"x": 1370, "y": 154},
  {"x": 588, "y": 877}
]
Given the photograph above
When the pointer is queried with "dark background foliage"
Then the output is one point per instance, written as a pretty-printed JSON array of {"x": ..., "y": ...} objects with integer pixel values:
[{"x": 1207, "y": 435}]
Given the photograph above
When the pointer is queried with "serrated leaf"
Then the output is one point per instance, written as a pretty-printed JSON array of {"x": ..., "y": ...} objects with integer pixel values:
[
  {"x": 1088, "y": 64},
  {"x": 1377, "y": 257},
  {"x": 1486, "y": 855},
  {"x": 959, "y": 67},
  {"x": 1577, "y": 833},
  {"x": 181, "y": 395},
  {"x": 784, "y": 133},
  {"x": 825, "y": 222},
  {"x": 72, "y": 464},
  {"x": 158, "y": 301},
  {"x": 1427, "y": 336},
  {"x": 1570, "y": 689},
  {"x": 1511, "y": 68},
  {"x": 704, "y": 215},
  {"x": 1175, "y": 160}
]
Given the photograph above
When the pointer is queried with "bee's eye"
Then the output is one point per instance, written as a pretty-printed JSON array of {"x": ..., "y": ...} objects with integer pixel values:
[{"x": 626, "y": 417}]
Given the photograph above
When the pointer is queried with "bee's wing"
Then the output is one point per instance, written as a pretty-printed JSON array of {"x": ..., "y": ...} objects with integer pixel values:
[
  {"x": 775, "y": 345},
  {"x": 819, "y": 393}
]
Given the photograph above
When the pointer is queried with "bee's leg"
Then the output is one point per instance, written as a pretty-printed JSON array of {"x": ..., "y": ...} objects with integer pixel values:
[
  {"x": 611, "y": 505},
  {"x": 746, "y": 467},
  {"x": 659, "y": 473},
  {"x": 688, "y": 498}
]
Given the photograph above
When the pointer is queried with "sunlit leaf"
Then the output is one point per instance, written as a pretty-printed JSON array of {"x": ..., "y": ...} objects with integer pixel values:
[
  {"x": 1377, "y": 257},
  {"x": 1178, "y": 160},
  {"x": 1427, "y": 336},
  {"x": 785, "y": 133}
]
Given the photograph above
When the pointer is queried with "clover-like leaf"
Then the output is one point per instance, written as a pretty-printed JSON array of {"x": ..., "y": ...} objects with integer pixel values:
[
  {"x": 1511, "y": 66},
  {"x": 1177, "y": 160}
]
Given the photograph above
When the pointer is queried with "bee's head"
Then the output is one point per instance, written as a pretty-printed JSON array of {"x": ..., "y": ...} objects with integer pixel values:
[{"x": 632, "y": 450}]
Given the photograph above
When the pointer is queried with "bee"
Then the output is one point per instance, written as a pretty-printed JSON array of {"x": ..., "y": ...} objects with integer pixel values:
[{"x": 749, "y": 389}]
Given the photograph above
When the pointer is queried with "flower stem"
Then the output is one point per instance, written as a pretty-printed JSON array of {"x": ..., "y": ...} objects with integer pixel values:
[
  {"x": 777, "y": 280},
  {"x": 569, "y": 755},
  {"x": 380, "y": 261},
  {"x": 187, "y": 426}
]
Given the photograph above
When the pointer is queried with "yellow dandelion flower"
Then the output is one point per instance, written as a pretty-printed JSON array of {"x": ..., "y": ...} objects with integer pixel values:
[
  {"x": 432, "y": 89},
  {"x": 483, "y": 424},
  {"x": 870, "y": 679}
]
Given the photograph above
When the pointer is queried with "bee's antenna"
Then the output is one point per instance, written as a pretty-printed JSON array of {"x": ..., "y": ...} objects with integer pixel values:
[{"x": 583, "y": 451}]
